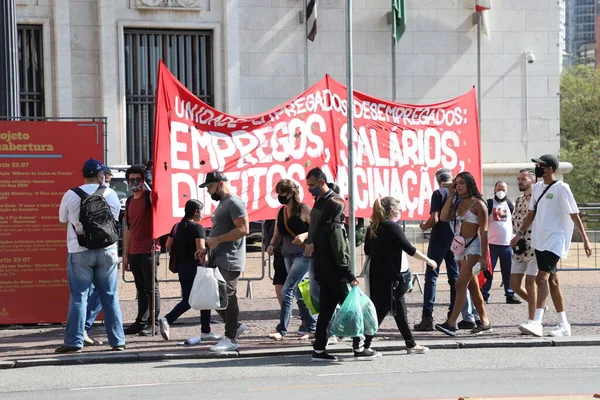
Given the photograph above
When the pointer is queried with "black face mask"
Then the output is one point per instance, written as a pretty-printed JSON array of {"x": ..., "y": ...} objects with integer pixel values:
[
  {"x": 342, "y": 218},
  {"x": 216, "y": 196},
  {"x": 283, "y": 199},
  {"x": 539, "y": 172}
]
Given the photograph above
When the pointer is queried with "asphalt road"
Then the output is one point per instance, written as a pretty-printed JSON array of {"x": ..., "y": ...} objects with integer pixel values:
[{"x": 445, "y": 374}]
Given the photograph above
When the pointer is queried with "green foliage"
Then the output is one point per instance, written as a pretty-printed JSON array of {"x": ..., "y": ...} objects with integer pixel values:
[{"x": 580, "y": 131}]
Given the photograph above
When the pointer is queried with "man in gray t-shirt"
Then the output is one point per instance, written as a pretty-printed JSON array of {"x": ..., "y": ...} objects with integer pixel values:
[{"x": 227, "y": 251}]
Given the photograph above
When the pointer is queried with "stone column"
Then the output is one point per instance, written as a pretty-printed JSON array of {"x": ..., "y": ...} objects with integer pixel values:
[{"x": 9, "y": 59}]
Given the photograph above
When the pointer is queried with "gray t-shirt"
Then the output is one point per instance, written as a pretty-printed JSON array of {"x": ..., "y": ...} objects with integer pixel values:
[{"x": 229, "y": 255}]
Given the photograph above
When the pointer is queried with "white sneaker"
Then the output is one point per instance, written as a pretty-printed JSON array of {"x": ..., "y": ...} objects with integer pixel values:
[
  {"x": 240, "y": 330},
  {"x": 164, "y": 328},
  {"x": 561, "y": 330},
  {"x": 532, "y": 328},
  {"x": 210, "y": 336},
  {"x": 224, "y": 344}
]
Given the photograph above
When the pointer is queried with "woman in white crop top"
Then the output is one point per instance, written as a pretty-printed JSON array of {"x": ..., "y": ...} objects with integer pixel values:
[{"x": 468, "y": 216}]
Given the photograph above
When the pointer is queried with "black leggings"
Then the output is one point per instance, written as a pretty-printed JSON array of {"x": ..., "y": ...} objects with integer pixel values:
[{"x": 385, "y": 301}]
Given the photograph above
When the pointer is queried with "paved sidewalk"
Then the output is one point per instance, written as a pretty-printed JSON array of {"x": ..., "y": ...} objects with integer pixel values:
[{"x": 31, "y": 346}]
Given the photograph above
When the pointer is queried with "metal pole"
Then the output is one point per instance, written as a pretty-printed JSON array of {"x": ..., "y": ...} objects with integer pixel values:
[
  {"x": 526, "y": 97},
  {"x": 153, "y": 286},
  {"x": 9, "y": 64},
  {"x": 479, "y": 69},
  {"x": 393, "y": 64},
  {"x": 350, "y": 126},
  {"x": 305, "y": 45}
]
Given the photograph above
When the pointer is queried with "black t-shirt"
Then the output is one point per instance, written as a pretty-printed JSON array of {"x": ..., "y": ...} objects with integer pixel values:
[
  {"x": 386, "y": 250},
  {"x": 185, "y": 235},
  {"x": 441, "y": 233}
]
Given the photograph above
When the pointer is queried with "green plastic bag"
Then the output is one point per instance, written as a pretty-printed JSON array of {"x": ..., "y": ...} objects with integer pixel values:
[
  {"x": 348, "y": 320},
  {"x": 304, "y": 289},
  {"x": 371, "y": 324}
]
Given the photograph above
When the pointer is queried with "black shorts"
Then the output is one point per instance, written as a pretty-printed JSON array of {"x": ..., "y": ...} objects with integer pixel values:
[
  {"x": 547, "y": 261},
  {"x": 280, "y": 271}
]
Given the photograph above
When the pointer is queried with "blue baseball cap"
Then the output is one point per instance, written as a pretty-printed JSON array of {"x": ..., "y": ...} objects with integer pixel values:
[{"x": 92, "y": 167}]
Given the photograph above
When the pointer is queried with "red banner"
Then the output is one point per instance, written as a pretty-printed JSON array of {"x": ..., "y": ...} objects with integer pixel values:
[
  {"x": 398, "y": 148},
  {"x": 39, "y": 161}
]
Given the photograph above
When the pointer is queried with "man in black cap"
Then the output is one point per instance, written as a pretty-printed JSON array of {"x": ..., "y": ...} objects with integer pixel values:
[
  {"x": 553, "y": 212},
  {"x": 227, "y": 251}
]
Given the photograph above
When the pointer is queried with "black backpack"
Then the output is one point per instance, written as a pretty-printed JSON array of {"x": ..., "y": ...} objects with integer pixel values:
[{"x": 99, "y": 224}]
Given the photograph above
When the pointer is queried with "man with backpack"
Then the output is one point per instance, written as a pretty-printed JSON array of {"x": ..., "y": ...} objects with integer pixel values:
[
  {"x": 89, "y": 213},
  {"x": 137, "y": 252},
  {"x": 500, "y": 231}
]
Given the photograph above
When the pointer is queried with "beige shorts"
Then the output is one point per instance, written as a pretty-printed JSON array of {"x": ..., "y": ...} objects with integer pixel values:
[{"x": 524, "y": 267}]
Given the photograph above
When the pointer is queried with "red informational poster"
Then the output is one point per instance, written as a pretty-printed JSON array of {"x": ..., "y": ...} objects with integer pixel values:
[
  {"x": 39, "y": 161},
  {"x": 398, "y": 148}
]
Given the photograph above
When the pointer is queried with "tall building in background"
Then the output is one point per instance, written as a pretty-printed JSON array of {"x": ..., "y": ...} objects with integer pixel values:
[{"x": 580, "y": 30}]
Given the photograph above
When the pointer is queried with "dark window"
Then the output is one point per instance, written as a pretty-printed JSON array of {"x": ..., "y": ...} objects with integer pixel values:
[
  {"x": 188, "y": 54},
  {"x": 31, "y": 70}
]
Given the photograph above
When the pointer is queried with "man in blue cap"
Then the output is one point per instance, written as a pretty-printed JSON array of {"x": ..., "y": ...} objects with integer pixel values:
[{"x": 92, "y": 255}]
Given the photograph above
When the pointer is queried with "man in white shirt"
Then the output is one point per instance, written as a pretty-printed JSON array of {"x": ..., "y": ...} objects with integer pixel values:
[
  {"x": 97, "y": 266},
  {"x": 500, "y": 230},
  {"x": 553, "y": 212}
]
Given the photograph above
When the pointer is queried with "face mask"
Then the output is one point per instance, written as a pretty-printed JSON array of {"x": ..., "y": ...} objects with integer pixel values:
[
  {"x": 501, "y": 195},
  {"x": 342, "y": 218},
  {"x": 315, "y": 191},
  {"x": 102, "y": 179},
  {"x": 216, "y": 196},
  {"x": 539, "y": 172},
  {"x": 136, "y": 185},
  {"x": 396, "y": 218},
  {"x": 283, "y": 199}
]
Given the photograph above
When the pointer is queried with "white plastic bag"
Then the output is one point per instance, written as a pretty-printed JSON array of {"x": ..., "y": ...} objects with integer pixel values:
[{"x": 209, "y": 291}]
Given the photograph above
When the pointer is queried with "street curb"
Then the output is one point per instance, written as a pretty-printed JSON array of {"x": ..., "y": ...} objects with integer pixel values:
[{"x": 291, "y": 351}]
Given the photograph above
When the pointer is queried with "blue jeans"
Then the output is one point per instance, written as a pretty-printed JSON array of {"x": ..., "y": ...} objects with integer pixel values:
[
  {"x": 504, "y": 253},
  {"x": 97, "y": 267},
  {"x": 297, "y": 268},
  {"x": 93, "y": 309}
]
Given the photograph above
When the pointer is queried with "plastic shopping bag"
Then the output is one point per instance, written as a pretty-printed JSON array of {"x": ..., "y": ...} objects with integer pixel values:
[
  {"x": 209, "y": 291},
  {"x": 348, "y": 320},
  {"x": 369, "y": 313},
  {"x": 304, "y": 289}
]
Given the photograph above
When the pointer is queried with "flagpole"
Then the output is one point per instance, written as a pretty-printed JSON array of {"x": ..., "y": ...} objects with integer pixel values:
[
  {"x": 350, "y": 131},
  {"x": 393, "y": 63},
  {"x": 305, "y": 45},
  {"x": 479, "y": 68}
]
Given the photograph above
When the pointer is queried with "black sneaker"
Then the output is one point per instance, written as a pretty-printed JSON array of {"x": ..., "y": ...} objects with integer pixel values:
[
  {"x": 67, "y": 349},
  {"x": 118, "y": 348},
  {"x": 446, "y": 328},
  {"x": 134, "y": 329},
  {"x": 481, "y": 329},
  {"x": 323, "y": 357},
  {"x": 512, "y": 300},
  {"x": 147, "y": 331},
  {"x": 466, "y": 325},
  {"x": 426, "y": 325},
  {"x": 366, "y": 355}
]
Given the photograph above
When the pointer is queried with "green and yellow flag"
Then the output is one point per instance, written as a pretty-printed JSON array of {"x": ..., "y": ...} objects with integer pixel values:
[{"x": 399, "y": 19}]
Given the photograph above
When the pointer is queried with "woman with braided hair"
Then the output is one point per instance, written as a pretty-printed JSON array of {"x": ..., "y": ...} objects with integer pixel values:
[{"x": 468, "y": 217}]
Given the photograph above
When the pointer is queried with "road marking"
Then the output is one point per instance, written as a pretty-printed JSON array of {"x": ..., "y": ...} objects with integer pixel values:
[
  {"x": 118, "y": 386},
  {"x": 313, "y": 386},
  {"x": 365, "y": 373}
]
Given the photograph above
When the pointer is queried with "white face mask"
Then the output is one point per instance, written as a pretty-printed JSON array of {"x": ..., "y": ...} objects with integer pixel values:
[{"x": 501, "y": 194}]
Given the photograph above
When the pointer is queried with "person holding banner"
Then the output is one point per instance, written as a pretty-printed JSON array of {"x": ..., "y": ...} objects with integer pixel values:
[
  {"x": 186, "y": 239},
  {"x": 227, "y": 251},
  {"x": 291, "y": 228},
  {"x": 389, "y": 276},
  {"x": 468, "y": 218}
]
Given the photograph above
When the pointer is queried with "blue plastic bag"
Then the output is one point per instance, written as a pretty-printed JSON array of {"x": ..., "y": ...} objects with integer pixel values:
[{"x": 348, "y": 320}]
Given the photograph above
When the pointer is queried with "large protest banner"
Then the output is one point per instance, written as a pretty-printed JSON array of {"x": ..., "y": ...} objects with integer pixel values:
[
  {"x": 39, "y": 161},
  {"x": 398, "y": 148}
]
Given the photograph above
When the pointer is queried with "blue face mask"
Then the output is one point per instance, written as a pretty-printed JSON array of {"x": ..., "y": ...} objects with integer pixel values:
[{"x": 315, "y": 191}]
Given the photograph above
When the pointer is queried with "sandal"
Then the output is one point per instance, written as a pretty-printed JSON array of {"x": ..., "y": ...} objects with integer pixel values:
[
  {"x": 307, "y": 335},
  {"x": 276, "y": 336}
]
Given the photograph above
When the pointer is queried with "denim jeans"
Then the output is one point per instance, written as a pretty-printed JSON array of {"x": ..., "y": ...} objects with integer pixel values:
[
  {"x": 141, "y": 268},
  {"x": 97, "y": 267},
  {"x": 504, "y": 253},
  {"x": 93, "y": 309},
  {"x": 297, "y": 268},
  {"x": 187, "y": 273}
]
